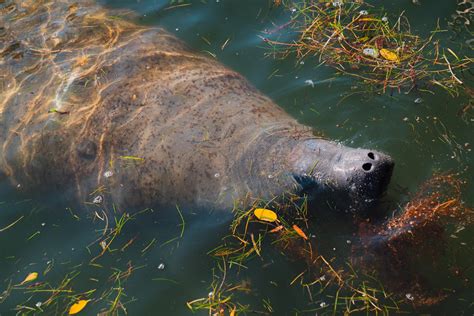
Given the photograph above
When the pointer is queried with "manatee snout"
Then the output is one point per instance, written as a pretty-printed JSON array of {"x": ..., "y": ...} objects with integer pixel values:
[
  {"x": 341, "y": 177},
  {"x": 366, "y": 173}
]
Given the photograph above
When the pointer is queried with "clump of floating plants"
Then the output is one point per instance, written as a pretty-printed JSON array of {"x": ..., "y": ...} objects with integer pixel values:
[
  {"x": 256, "y": 233},
  {"x": 417, "y": 238},
  {"x": 369, "y": 44},
  {"x": 245, "y": 242},
  {"x": 389, "y": 253}
]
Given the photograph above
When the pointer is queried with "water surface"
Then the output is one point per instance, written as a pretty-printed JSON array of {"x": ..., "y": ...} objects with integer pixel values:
[{"x": 423, "y": 138}]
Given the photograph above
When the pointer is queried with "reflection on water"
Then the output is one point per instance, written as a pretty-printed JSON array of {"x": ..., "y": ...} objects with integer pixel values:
[{"x": 159, "y": 262}]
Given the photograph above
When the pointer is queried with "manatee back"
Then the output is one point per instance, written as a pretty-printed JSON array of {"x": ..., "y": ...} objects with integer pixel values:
[{"x": 86, "y": 95}]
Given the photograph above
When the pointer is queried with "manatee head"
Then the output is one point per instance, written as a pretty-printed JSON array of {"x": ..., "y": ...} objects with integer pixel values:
[{"x": 340, "y": 177}]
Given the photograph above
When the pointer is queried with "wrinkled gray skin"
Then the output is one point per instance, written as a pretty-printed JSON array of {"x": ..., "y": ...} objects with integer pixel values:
[{"x": 80, "y": 93}]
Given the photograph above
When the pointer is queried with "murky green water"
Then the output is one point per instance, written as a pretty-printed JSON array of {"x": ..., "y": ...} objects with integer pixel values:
[{"x": 423, "y": 138}]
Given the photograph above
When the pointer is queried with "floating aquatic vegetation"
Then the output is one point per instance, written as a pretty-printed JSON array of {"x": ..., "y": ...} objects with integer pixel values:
[
  {"x": 382, "y": 276},
  {"x": 415, "y": 238},
  {"x": 462, "y": 18},
  {"x": 320, "y": 278},
  {"x": 370, "y": 45},
  {"x": 55, "y": 282},
  {"x": 219, "y": 300}
]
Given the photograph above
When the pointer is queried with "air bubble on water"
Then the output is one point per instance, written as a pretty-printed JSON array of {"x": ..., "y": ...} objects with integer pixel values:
[
  {"x": 108, "y": 174},
  {"x": 161, "y": 266}
]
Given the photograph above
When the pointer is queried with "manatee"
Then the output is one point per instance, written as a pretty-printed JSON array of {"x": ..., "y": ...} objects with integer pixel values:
[{"x": 127, "y": 114}]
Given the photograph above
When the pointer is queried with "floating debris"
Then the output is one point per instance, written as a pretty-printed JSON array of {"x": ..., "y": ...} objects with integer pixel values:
[
  {"x": 366, "y": 45},
  {"x": 108, "y": 174},
  {"x": 300, "y": 232},
  {"x": 103, "y": 244},
  {"x": 78, "y": 306},
  {"x": 98, "y": 199},
  {"x": 418, "y": 100},
  {"x": 161, "y": 266},
  {"x": 265, "y": 215},
  {"x": 30, "y": 277},
  {"x": 371, "y": 52},
  {"x": 309, "y": 82}
]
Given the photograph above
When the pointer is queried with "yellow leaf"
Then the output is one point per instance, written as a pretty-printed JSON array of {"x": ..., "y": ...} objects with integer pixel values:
[
  {"x": 78, "y": 306},
  {"x": 30, "y": 277},
  {"x": 232, "y": 312},
  {"x": 389, "y": 55},
  {"x": 300, "y": 232},
  {"x": 265, "y": 215}
]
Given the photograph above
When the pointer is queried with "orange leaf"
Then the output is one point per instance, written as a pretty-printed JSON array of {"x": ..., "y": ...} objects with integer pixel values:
[
  {"x": 300, "y": 232},
  {"x": 78, "y": 306},
  {"x": 30, "y": 277},
  {"x": 277, "y": 229}
]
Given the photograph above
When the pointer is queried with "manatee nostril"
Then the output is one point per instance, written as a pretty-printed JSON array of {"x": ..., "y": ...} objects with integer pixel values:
[
  {"x": 371, "y": 155},
  {"x": 367, "y": 166}
]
